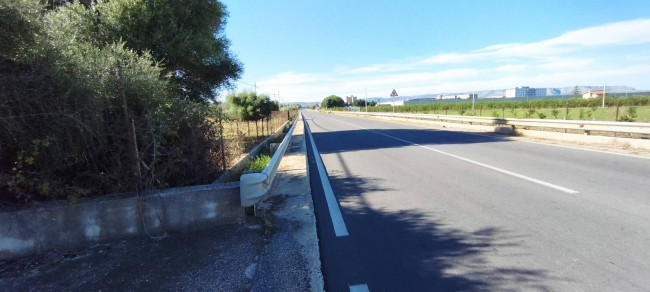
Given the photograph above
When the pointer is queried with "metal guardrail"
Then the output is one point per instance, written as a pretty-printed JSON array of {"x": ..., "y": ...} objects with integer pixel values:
[
  {"x": 585, "y": 126},
  {"x": 255, "y": 185}
]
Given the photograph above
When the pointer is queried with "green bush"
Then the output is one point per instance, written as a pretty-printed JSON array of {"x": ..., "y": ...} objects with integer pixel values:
[
  {"x": 630, "y": 115},
  {"x": 258, "y": 163},
  {"x": 85, "y": 110}
]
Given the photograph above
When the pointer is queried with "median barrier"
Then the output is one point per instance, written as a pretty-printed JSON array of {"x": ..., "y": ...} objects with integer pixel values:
[{"x": 625, "y": 134}]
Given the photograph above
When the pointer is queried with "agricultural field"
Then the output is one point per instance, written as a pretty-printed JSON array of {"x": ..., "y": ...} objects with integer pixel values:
[{"x": 632, "y": 109}]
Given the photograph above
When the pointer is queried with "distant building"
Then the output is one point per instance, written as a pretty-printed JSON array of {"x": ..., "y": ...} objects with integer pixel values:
[
  {"x": 458, "y": 96},
  {"x": 395, "y": 103},
  {"x": 419, "y": 101},
  {"x": 350, "y": 99},
  {"x": 525, "y": 91},
  {"x": 592, "y": 94}
]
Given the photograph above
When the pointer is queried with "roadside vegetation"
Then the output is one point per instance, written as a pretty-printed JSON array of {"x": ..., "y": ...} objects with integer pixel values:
[
  {"x": 115, "y": 96},
  {"x": 624, "y": 109},
  {"x": 259, "y": 162}
]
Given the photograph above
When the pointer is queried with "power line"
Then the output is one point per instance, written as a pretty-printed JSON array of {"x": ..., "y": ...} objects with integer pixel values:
[{"x": 256, "y": 87}]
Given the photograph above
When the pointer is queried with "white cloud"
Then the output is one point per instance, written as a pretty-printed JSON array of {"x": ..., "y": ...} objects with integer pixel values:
[
  {"x": 512, "y": 68},
  {"x": 583, "y": 56},
  {"x": 618, "y": 33},
  {"x": 566, "y": 64},
  {"x": 450, "y": 58},
  {"x": 611, "y": 34}
]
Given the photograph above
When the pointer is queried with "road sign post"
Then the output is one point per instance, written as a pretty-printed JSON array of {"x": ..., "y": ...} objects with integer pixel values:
[{"x": 393, "y": 95}]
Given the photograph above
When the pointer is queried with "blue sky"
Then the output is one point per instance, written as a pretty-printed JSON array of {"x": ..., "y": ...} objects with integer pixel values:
[{"x": 307, "y": 50}]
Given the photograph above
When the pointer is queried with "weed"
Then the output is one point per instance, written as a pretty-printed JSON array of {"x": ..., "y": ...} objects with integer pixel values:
[
  {"x": 259, "y": 162},
  {"x": 555, "y": 113}
]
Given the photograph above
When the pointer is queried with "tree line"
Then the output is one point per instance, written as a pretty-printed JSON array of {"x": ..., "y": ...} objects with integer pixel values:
[
  {"x": 110, "y": 96},
  {"x": 335, "y": 101}
]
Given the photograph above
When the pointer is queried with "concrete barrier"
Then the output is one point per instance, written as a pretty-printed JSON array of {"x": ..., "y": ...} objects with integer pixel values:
[
  {"x": 59, "y": 224},
  {"x": 520, "y": 127},
  {"x": 254, "y": 186}
]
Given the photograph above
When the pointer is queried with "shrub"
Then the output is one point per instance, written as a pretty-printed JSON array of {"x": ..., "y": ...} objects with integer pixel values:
[
  {"x": 555, "y": 112},
  {"x": 81, "y": 115},
  {"x": 258, "y": 163},
  {"x": 630, "y": 115}
]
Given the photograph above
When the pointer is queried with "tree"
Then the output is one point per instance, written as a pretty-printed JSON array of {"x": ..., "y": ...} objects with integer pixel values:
[
  {"x": 359, "y": 102},
  {"x": 92, "y": 91},
  {"x": 250, "y": 106},
  {"x": 332, "y": 101},
  {"x": 185, "y": 37},
  {"x": 576, "y": 91}
]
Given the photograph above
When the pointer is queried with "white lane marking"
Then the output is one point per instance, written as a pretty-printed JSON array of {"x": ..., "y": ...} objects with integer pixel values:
[
  {"x": 586, "y": 149},
  {"x": 332, "y": 204},
  {"x": 518, "y": 139},
  {"x": 521, "y": 176},
  {"x": 359, "y": 288}
]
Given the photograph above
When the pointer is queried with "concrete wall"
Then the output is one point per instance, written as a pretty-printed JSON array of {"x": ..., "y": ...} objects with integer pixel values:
[{"x": 58, "y": 224}]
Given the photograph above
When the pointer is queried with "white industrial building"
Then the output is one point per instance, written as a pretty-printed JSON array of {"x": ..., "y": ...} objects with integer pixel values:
[
  {"x": 525, "y": 91},
  {"x": 394, "y": 103}
]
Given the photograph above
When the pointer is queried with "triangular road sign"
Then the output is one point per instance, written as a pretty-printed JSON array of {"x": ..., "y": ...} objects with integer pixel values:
[{"x": 394, "y": 93}]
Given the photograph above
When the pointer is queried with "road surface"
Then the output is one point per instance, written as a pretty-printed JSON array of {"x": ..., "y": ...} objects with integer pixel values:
[{"x": 422, "y": 209}]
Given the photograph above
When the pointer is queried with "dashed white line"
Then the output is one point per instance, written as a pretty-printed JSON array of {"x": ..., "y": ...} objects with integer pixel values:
[
  {"x": 335, "y": 212},
  {"x": 521, "y": 176}
]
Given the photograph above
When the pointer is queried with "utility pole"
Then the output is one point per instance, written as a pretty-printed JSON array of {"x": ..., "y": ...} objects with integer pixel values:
[
  {"x": 473, "y": 100},
  {"x": 255, "y": 88},
  {"x": 366, "y": 101},
  {"x": 604, "y": 96}
]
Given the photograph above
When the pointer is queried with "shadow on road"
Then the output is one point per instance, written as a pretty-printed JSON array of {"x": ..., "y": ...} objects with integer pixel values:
[
  {"x": 408, "y": 250},
  {"x": 357, "y": 140},
  {"x": 211, "y": 259}
]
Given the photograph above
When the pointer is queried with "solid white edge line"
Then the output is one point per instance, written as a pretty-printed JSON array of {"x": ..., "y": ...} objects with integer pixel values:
[
  {"x": 335, "y": 212},
  {"x": 521, "y": 176},
  {"x": 359, "y": 288}
]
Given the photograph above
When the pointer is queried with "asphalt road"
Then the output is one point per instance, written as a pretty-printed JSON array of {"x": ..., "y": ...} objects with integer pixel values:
[{"x": 437, "y": 210}]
